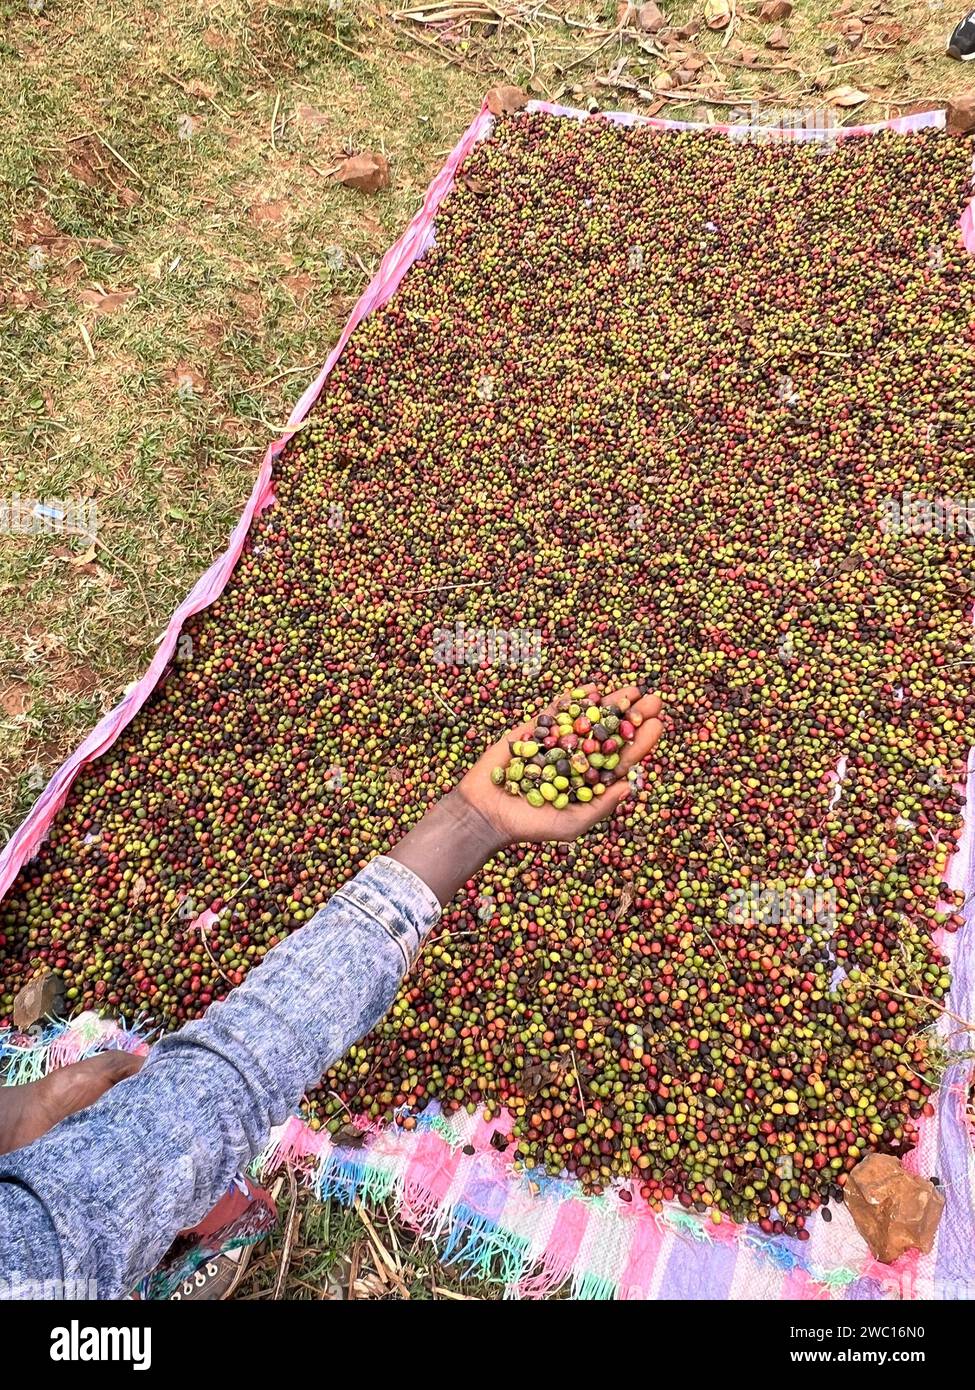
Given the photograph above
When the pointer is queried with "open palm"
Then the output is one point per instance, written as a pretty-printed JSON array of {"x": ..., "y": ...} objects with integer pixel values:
[{"x": 519, "y": 822}]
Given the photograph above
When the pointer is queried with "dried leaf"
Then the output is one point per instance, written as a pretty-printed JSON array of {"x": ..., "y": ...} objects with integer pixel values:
[
  {"x": 532, "y": 1080},
  {"x": 188, "y": 381},
  {"x": 367, "y": 172},
  {"x": 847, "y": 96},
  {"x": 717, "y": 14},
  {"x": 88, "y": 558},
  {"x": 298, "y": 286},
  {"x": 106, "y": 303},
  {"x": 350, "y": 1137},
  {"x": 271, "y": 211},
  {"x": 15, "y": 700},
  {"x": 370, "y": 1286},
  {"x": 41, "y": 998},
  {"x": 309, "y": 118}
]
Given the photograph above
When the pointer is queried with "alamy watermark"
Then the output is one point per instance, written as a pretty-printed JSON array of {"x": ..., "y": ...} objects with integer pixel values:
[
  {"x": 757, "y": 125},
  {"x": 76, "y": 1342},
  {"x": 34, "y": 516},
  {"x": 948, "y": 517},
  {"x": 760, "y": 903},
  {"x": 493, "y": 646},
  {"x": 18, "y": 1286}
]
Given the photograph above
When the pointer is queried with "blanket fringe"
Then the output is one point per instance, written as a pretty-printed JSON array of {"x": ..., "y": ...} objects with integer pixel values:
[
  {"x": 432, "y": 1194},
  {"x": 30, "y": 1055}
]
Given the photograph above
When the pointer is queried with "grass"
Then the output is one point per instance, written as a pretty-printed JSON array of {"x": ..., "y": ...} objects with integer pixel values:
[
  {"x": 337, "y": 1252},
  {"x": 175, "y": 262}
]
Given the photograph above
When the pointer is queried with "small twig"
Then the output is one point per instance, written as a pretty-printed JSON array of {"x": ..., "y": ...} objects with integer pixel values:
[
  {"x": 725, "y": 843},
  {"x": 274, "y": 119},
  {"x": 196, "y": 94},
  {"x": 86, "y": 339},
  {"x": 733, "y": 20},
  {"x": 575, "y": 1069},
  {"x": 289, "y": 1238},
  {"x": 392, "y": 1231},
  {"x": 717, "y": 948},
  {"x": 964, "y": 1024},
  {"x": 441, "y": 588},
  {"x": 213, "y": 959},
  {"x": 437, "y": 696},
  {"x": 335, "y": 1095},
  {"x": 353, "y": 1269},
  {"x": 387, "y": 1265},
  {"x": 289, "y": 371},
  {"x": 119, "y": 561},
  {"x": 120, "y": 157}
]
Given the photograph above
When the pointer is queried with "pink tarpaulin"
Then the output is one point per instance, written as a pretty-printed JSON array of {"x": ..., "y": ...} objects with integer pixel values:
[{"x": 650, "y": 1257}]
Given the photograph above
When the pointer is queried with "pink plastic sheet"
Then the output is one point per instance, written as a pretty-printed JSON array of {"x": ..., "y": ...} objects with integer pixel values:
[{"x": 298, "y": 1142}]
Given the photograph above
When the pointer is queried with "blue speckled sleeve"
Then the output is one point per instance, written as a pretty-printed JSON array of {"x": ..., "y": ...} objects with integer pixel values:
[{"x": 96, "y": 1203}]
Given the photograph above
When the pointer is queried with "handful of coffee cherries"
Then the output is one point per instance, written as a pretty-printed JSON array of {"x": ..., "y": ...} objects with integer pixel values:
[{"x": 571, "y": 755}]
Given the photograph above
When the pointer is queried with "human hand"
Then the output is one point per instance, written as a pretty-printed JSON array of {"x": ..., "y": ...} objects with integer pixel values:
[
  {"x": 516, "y": 821},
  {"x": 27, "y": 1112}
]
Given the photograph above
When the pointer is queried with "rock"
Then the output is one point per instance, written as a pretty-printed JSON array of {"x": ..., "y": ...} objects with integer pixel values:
[
  {"x": 778, "y": 38},
  {"x": 893, "y": 1209},
  {"x": 649, "y": 18},
  {"x": 367, "y": 172},
  {"x": 774, "y": 10},
  {"x": 961, "y": 114},
  {"x": 310, "y": 119},
  {"x": 501, "y": 101},
  {"x": 41, "y": 997}
]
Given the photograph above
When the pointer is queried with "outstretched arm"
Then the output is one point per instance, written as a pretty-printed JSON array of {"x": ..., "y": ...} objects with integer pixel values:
[
  {"x": 101, "y": 1197},
  {"x": 97, "y": 1201}
]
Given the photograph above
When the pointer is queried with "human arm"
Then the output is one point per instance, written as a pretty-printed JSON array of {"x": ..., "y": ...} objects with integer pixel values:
[{"x": 102, "y": 1195}]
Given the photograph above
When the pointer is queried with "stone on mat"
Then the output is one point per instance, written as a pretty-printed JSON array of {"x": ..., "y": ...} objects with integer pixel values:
[
  {"x": 501, "y": 101},
  {"x": 40, "y": 997},
  {"x": 893, "y": 1209},
  {"x": 961, "y": 114}
]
